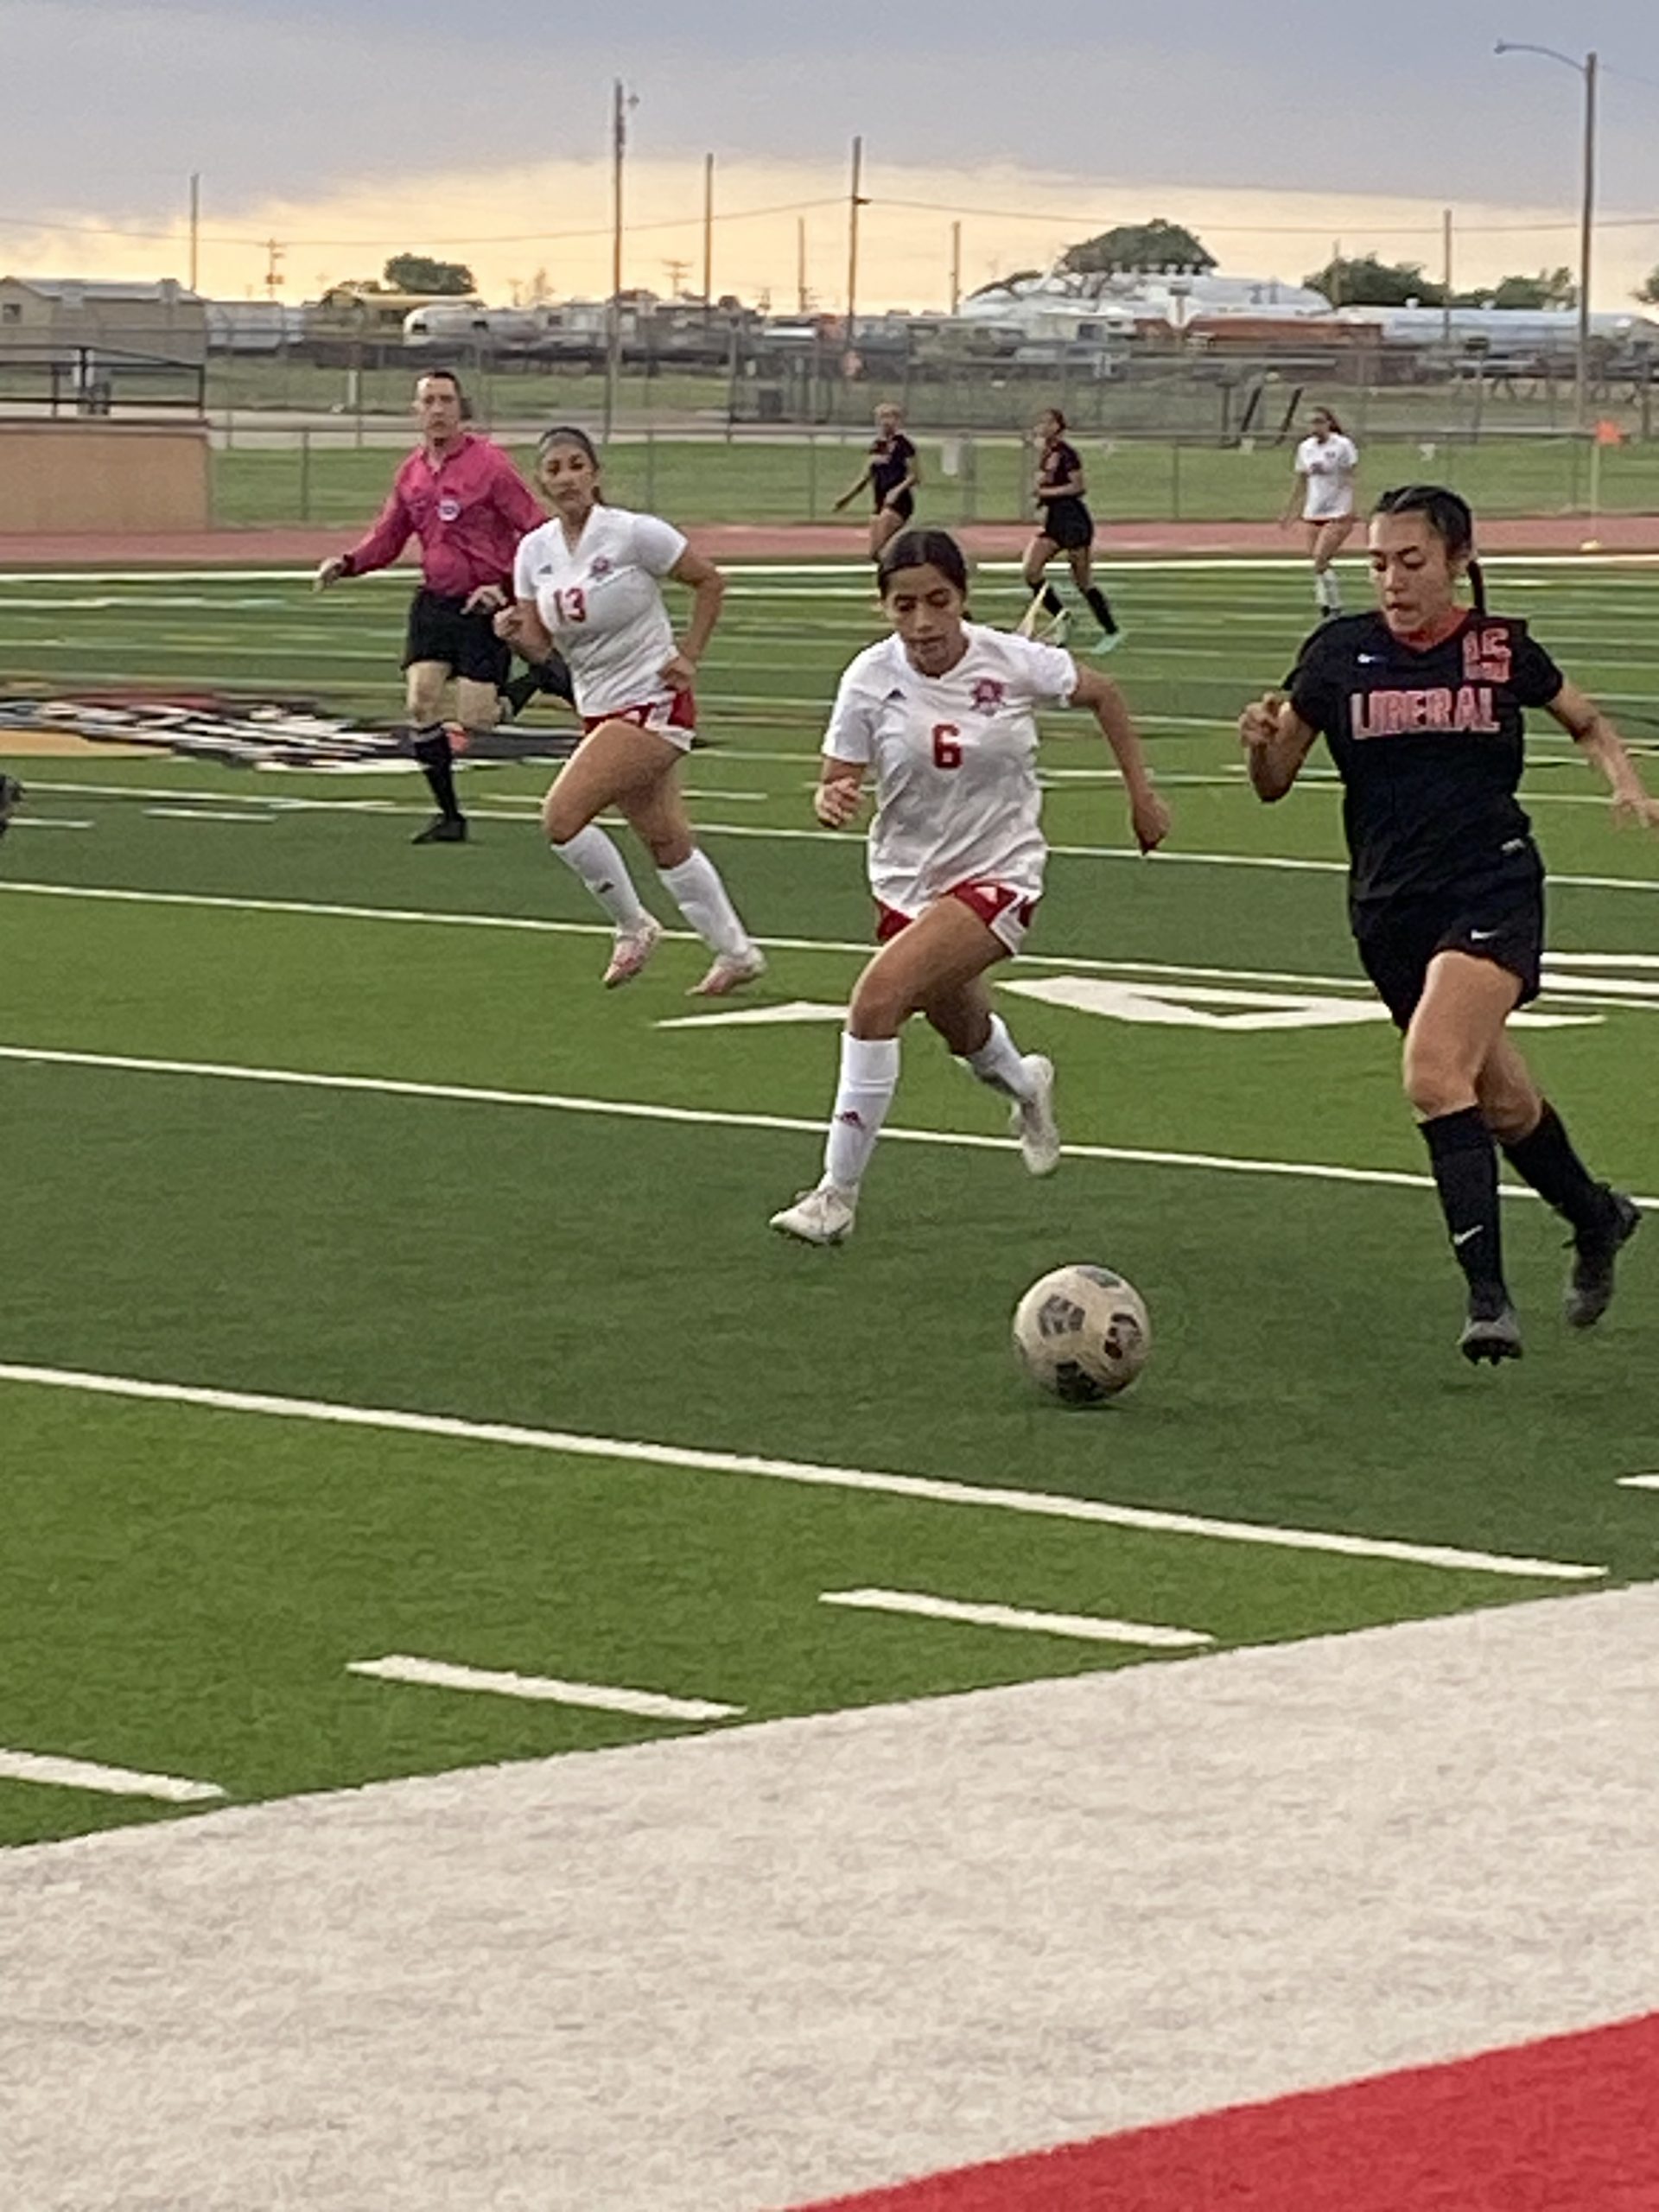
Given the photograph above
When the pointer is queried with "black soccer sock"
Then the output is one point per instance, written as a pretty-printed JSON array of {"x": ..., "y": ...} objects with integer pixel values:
[
  {"x": 1050, "y": 600},
  {"x": 1547, "y": 1162},
  {"x": 432, "y": 749},
  {"x": 1465, "y": 1160},
  {"x": 1100, "y": 608}
]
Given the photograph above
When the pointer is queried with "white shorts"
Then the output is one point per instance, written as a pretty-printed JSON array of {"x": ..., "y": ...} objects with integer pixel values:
[
  {"x": 1007, "y": 913},
  {"x": 674, "y": 716}
]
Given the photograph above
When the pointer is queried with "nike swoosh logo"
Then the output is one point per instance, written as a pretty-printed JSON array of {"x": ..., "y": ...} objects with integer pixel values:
[
  {"x": 1464, "y": 1237},
  {"x": 1480, "y": 937}
]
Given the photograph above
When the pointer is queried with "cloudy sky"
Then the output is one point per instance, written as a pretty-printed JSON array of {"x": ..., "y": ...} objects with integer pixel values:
[{"x": 350, "y": 129}]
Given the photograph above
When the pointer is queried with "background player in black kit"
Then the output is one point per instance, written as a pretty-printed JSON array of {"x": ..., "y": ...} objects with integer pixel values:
[
  {"x": 893, "y": 473},
  {"x": 1422, "y": 705},
  {"x": 1064, "y": 525}
]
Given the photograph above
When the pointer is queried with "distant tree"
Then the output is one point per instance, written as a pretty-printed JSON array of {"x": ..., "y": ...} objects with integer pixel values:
[
  {"x": 1020, "y": 277},
  {"x": 1367, "y": 282},
  {"x": 1550, "y": 288},
  {"x": 1649, "y": 293},
  {"x": 1141, "y": 248},
  {"x": 418, "y": 272}
]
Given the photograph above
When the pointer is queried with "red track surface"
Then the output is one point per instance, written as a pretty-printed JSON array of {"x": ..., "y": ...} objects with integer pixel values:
[
  {"x": 740, "y": 541},
  {"x": 1567, "y": 2126}
]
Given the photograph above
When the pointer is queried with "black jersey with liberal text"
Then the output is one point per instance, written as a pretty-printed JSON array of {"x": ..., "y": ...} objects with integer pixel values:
[
  {"x": 890, "y": 459},
  {"x": 1429, "y": 744},
  {"x": 1057, "y": 465}
]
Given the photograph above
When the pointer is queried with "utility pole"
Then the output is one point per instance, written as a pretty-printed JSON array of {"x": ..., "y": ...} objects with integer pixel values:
[
  {"x": 1445, "y": 279},
  {"x": 621, "y": 101},
  {"x": 708, "y": 230},
  {"x": 1590, "y": 70},
  {"x": 195, "y": 226},
  {"x": 800, "y": 295},
  {"x": 956, "y": 266},
  {"x": 855, "y": 199},
  {"x": 274, "y": 278}
]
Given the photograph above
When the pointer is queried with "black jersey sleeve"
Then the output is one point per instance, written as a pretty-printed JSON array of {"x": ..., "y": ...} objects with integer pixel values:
[
  {"x": 1533, "y": 678},
  {"x": 1315, "y": 685},
  {"x": 903, "y": 450}
]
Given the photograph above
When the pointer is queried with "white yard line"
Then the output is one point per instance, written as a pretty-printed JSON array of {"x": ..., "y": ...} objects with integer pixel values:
[
  {"x": 1638, "y": 1482},
  {"x": 1559, "y": 986},
  {"x": 1087, "y": 1628},
  {"x": 1040, "y": 1503},
  {"x": 542, "y": 1689},
  {"x": 635, "y": 1109},
  {"x": 108, "y": 1781}
]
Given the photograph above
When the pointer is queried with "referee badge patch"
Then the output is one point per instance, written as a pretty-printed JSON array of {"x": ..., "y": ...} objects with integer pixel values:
[{"x": 449, "y": 510}]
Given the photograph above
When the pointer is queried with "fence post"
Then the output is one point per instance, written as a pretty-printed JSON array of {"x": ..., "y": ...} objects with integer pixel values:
[
  {"x": 969, "y": 476},
  {"x": 1175, "y": 482},
  {"x": 305, "y": 475},
  {"x": 811, "y": 475},
  {"x": 650, "y": 468}
]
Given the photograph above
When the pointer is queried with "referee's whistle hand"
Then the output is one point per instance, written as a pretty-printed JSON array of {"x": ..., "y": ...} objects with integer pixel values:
[
  {"x": 330, "y": 573},
  {"x": 487, "y": 597}
]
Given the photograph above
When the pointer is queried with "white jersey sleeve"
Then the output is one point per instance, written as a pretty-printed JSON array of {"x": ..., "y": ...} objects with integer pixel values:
[
  {"x": 851, "y": 732},
  {"x": 656, "y": 544},
  {"x": 1044, "y": 674}
]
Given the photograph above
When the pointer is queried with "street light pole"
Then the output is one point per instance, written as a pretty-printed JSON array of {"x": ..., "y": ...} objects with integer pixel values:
[{"x": 1589, "y": 69}]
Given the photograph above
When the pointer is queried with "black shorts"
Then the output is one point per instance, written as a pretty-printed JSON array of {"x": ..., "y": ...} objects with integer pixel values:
[
  {"x": 1067, "y": 522},
  {"x": 465, "y": 643},
  {"x": 1502, "y": 921},
  {"x": 904, "y": 505}
]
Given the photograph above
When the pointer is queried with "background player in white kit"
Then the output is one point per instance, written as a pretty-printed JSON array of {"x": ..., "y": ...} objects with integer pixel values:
[
  {"x": 1324, "y": 490},
  {"x": 941, "y": 715},
  {"x": 590, "y": 581}
]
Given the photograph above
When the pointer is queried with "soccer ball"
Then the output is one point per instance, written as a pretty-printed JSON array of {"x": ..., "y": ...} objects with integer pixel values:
[{"x": 1081, "y": 1333}]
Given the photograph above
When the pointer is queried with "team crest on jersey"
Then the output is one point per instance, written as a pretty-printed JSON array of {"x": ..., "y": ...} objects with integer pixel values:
[
  {"x": 600, "y": 565},
  {"x": 449, "y": 510},
  {"x": 1486, "y": 655},
  {"x": 990, "y": 693}
]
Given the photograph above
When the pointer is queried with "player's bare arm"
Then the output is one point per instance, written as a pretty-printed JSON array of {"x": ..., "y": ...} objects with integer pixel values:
[
  {"x": 525, "y": 631},
  {"x": 1276, "y": 741},
  {"x": 852, "y": 492},
  {"x": 707, "y": 589},
  {"x": 1601, "y": 745},
  {"x": 840, "y": 793},
  {"x": 1148, "y": 814}
]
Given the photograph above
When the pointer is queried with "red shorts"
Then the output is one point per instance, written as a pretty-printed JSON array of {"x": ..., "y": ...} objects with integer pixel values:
[
  {"x": 1007, "y": 914},
  {"x": 674, "y": 716}
]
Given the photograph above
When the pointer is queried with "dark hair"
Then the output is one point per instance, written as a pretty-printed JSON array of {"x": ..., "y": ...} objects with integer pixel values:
[
  {"x": 1330, "y": 414},
  {"x": 922, "y": 548},
  {"x": 567, "y": 434},
  {"x": 1060, "y": 419},
  {"x": 1449, "y": 517}
]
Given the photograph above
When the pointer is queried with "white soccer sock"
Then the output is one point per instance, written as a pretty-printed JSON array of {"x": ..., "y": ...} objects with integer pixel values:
[
  {"x": 696, "y": 890},
  {"x": 1000, "y": 1062},
  {"x": 1328, "y": 591},
  {"x": 592, "y": 854},
  {"x": 869, "y": 1076}
]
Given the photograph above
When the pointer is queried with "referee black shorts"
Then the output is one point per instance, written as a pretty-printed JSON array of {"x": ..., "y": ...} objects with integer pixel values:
[
  {"x": 1502, "y": 921},
  {"x": 465, "y": 643},
  {"x": 1067, "y": 523}
]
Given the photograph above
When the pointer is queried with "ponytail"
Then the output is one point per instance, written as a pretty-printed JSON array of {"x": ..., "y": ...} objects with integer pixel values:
[{"x": 1450, "y": 517}]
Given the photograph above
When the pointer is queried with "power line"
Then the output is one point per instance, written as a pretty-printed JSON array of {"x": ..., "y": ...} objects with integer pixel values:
[
  {"x": 397, "y": 238},
  {"x": 1072, "y": 218}
]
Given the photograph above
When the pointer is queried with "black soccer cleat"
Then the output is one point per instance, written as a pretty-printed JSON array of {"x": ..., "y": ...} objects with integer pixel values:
[
  {"x": 1590, "y": 1286},
  {"x": 443, "y": 829},
  {"x": 1492, "y": 1333},
  {"x": 11, "y": 798}
]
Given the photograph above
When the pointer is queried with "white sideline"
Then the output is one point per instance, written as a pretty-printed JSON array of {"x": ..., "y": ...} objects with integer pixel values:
[
  {"x": 1087, "y": 1628},
  {"x": 634, "y": 1109},
  {"x": 1042, "y": 1504},
  {"x": 108, "y": 1781},
  {"x": 544, "y": 1689}
]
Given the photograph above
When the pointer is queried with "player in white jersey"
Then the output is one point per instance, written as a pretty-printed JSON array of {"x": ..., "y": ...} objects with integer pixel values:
[
  {"x": 941, "y": 716},
  {"x": 589, "y": 582},
  {"x": 1324, "y": 490}
]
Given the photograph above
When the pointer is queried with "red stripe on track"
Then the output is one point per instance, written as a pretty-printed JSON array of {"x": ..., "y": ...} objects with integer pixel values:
[{"x": 1567, "y": 2126}]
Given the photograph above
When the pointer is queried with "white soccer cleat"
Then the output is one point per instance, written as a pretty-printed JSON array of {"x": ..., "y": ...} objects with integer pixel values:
[
  {"x": 632, "y": 950},
  {"x": 730, "y": 972},
  {"x": 1055, "y": 630},
  {"x": 822, "y": 1216},
  {"x": 1032, "y": 1122}
]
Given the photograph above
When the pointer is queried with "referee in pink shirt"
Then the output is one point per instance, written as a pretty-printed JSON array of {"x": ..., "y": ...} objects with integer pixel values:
[{"x": 462, "y": 498}]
